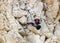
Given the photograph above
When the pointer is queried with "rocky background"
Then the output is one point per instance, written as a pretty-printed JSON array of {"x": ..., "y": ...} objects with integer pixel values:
[{"x": 15, "y": 14}]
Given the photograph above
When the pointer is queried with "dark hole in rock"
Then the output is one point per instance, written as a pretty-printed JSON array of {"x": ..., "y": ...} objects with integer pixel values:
[
  {"x": 54, "y": 29},
  {"x": 8, "y": 30},
  {"x": 59, "y": 20},
  {"x": 25, "y": 3},
  {"x": 46, "y": 38},
  {"x": 34, "y": 16},
  {"x": 17, "y": 17}
]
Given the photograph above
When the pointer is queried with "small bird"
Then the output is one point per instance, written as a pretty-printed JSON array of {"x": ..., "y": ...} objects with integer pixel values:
[{"x": 35, "y": 23}]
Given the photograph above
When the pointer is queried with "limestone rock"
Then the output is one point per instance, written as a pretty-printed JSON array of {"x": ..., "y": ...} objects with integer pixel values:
[
  {"x": 2, "y": 21},
  {"x": 53, "y": 7},
  {"x": 57, "y": 30},
  {"x": 35, "y": 39},
  {"x": 15, "y": 16},
  {"x": 44, "y": 27},
  {"x": 19, "y": 13},
  {"x": 10, "y": 39},
  {"x": 23, "y": 20},
  {"x": 2, "y": 39}
]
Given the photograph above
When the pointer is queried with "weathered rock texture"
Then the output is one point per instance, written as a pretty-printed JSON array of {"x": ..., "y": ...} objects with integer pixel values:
[{"x": 15, "y": 14}]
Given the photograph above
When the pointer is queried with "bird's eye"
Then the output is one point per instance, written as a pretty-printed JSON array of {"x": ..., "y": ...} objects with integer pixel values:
[{"x": 36, "y": 21}]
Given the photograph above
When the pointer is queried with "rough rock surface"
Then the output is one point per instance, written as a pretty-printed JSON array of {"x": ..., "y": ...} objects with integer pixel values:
[{"x": 16, "y": 14}]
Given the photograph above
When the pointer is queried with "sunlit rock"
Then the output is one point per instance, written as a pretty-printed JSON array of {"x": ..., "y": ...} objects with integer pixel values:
[
  {"x": 18, "y": 25},
  {"x": 23, "y": 20}
]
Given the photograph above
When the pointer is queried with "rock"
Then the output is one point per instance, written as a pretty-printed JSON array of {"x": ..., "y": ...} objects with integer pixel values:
[
  {"x": 2, "y": 21},
  {"x": 51, "y": 27},
  {"x": 23, "y": 20},
  {"x": 48, "y": 40},
  {"x": 33, "y": 29},
  {"x": 37, "y": 10},
  {"x": 49, "y": 35},
  {"x": 22, "y": 32},
  {"x": 53, "y": 6},
  {"x": 10, "y": 39},
  {"x": 16, "y": 35},
  {"x": 43, "y": 38},
  {"x": 19, "y": 14},
  {"x": 2, "y": 39},
  {"x": 35, "y": 39},
  {"x": 17, "y": 18},
  {"x": 53, "y": 39},
  {"x": 44, "y": 27},
  {"x": 57, "y": 30}
]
